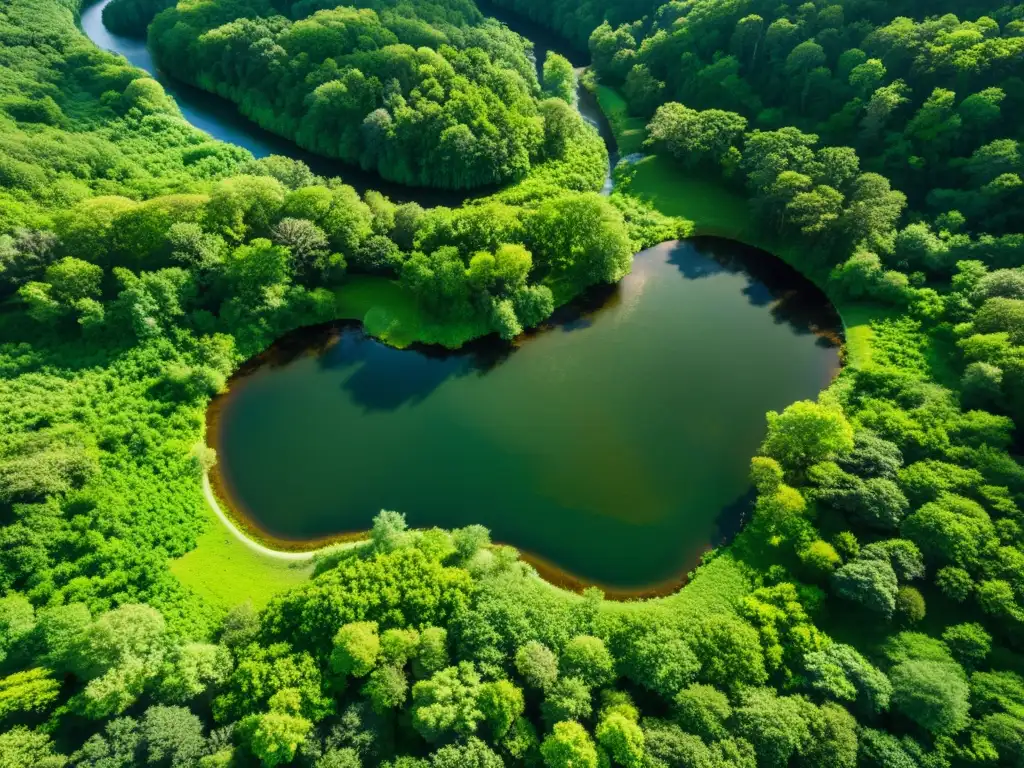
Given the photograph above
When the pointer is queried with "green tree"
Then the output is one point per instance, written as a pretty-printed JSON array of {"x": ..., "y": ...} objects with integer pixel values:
[
  {"x": 586, "y": 658},
  {"x": 569, "y": 746},
  {"x": 703, "y": 710},
  {"x": 30, "y": 691},
  {"x": 447, "y": 703},
  {"x": 871, "y": 583},
  {"x": 623, "y": 739},
  {"x": 274, "y": 737},
  {"x": 537, "y": 665},
  {"x": 568, "y": 698},
  {"x": 387, "y": 688},
  {"x": 559, "y": 77},
  {"x": 969, "y": 643},
  {"x": 501, "y": 704},
  {"x": 356, "y": 648},
  {"x": 173, "y": 736},
  {"x": 933, "y": 694},
  {"x": 806, "y": 433}
]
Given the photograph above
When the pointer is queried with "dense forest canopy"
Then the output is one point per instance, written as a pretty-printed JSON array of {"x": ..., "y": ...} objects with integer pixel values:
[
  {"x": 427, "y": 94},
  {"x": 870, "y": 615}
]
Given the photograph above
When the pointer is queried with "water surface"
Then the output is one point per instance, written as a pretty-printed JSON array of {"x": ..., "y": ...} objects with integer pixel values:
[{"x": 614, "y": 444}]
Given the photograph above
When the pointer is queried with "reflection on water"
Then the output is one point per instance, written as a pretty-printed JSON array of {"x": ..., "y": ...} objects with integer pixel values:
[{"x": 613, "y": 442}]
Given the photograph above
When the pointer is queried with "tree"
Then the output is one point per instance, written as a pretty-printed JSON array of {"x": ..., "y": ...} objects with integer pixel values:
[
  {"x": 243, "y": 206},
  {"x": 389, "y": 531},
  {"x": 17, "y": 620},
  {"x": 729, "y": 652},
  {"x": 833, "y": 738},
  {"x": 501, "y": 704},
  {"x": 695, "y": 138},
  {"x": 703, "y": 710},
  {"x": 173, "y": 736},
  {"x": 623, "y": 739},
  {"x": 581, "y": 236},
  {"x": 191, "y": 669},
  {"x": 933, "y": 694},
  {"x": 586, "y": 658},
  {"x": 806, "y": 433},
  {"x": 274, "y": 737},
  {"x": 840, "y": 673},
  {"x": 820, "y": 558},
  {"x": 559, "y": 77},
  {"x": 387, "y": 688},
  {"x": 871, "y": 583},
  {"x": 21, "y": 747},
  {"x": 447, "y": 703},
  {"x": 657, "y": 658},
  {"x": 432, "y": 653},
  {"x": 951, "y": 530},
  {"x": 30, "y": 691},
  {"x": 472, "y": 754},
  {"x": 910, "y": 606},
  {"x": 955, "y": 583},
  {"x": 73, "y": 279},
  {"x": 567, "y": 699},
  {"x": 969, "y": 643},
  {"x": 356, "y": 648},
  {"x": 537, "y": 665},
  {"x": 569, "y": 746},
  {"x": 470, "y": 540},
  {"x": 775, "y": 725}
]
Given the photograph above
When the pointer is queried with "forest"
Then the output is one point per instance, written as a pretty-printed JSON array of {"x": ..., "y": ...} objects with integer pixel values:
[
  {"x": 869, "y": 615},
  {"x": 425, "y": 94}
]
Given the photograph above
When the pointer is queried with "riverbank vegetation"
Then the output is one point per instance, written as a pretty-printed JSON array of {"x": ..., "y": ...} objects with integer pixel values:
[
  {"x": 871, "y": 613},
  {"x": 429, "y": 94}
]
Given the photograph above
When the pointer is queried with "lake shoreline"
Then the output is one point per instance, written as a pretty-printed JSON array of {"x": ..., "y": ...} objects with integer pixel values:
[{"x": 316, "y": 341}]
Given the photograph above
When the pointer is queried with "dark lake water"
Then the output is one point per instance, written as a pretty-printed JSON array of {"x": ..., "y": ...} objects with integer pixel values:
[
  {"x": 221, "y": 120},
  {"x": 614, "y": 444}
]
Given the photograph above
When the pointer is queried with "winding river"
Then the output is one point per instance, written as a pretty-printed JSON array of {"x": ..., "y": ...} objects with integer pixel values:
[{"x": 611, "y": 446}]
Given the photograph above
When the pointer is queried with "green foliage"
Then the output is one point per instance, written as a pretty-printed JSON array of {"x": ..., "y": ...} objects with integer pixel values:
[
  {"x": 142, "y": 262},
  {"x": 569, "y": 746},
  {"x": 933, "y": 694},
  {"x": 447, "y": 704},
  {"x": 587, "y": 659},
  {"x": 806, "y": 433},
  {"x": 537, "y": 665},
  {"x": 356, "y": 648}
]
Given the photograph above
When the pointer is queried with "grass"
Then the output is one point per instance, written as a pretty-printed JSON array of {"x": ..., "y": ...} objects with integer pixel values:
[
  {"x": 630, "y": 132},
  {"x": 225, "y": 572},
  {"x": 390, "y": 312}
]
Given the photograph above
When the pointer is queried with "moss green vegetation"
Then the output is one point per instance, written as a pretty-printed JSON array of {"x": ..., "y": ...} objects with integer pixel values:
[
  {"x": 224, "y": 572},
  {"x": 870, "y": 615}
]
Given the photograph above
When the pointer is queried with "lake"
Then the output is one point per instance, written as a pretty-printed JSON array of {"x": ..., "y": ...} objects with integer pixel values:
[{"x": 612, "y": 446}]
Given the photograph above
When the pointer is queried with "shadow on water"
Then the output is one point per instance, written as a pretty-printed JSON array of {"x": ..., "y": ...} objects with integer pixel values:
[
  {"x": 792, "y": 298},
  {"x": 383, "y": 378},
  {"x": 733, "y": 517}
]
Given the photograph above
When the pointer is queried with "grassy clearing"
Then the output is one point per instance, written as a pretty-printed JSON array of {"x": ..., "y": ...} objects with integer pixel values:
[
  {"x": 718, "y": 587},
  {"x": 225, "y": 572},
  {"x": 630, "y": 132},
  {"x": 390, "y": 312}
]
